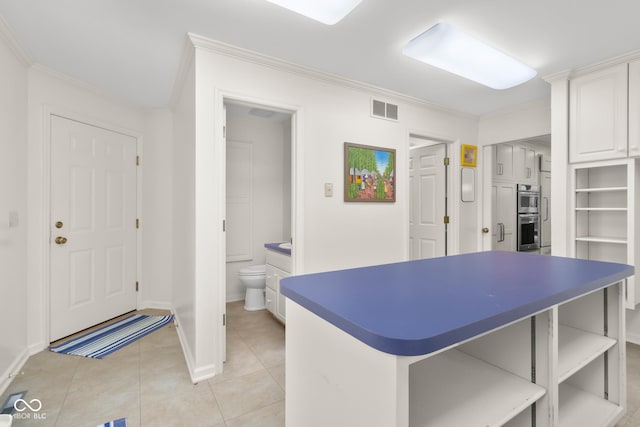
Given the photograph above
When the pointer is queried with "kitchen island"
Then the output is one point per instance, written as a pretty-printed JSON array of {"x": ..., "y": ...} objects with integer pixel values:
[{"x": 490, "y": 338}]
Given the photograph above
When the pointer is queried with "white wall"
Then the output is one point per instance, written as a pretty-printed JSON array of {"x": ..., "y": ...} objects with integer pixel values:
[
  {"x": 157, "y": 210},
  {"x": 269, "y": 140},
  {"x": 328, "y": 233},
  {"x": 522, "y": 121},
  {"x": 13, "y": 202},
  {"x": 183, "y": 297}
]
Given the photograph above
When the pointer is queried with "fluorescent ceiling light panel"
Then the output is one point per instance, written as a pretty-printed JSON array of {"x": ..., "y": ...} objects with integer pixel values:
[
  {"x": 326, "y": 11},
  {"x": 445, "y": 47}
]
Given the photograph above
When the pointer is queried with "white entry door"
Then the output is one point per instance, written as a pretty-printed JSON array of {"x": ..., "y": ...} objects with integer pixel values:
[
  {"x": 427, "y": 177},
  {"x": 93, "y": 226}
]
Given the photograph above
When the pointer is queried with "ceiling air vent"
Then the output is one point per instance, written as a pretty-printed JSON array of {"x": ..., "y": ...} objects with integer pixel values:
[{"x": 384, "y": 110}]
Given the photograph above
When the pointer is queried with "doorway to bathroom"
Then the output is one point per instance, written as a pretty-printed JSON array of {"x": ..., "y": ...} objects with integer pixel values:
[{"x": 258, "y": 189}]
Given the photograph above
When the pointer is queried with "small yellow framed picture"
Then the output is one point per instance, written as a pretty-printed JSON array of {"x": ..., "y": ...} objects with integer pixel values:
[{"x": 468, "y": 155}]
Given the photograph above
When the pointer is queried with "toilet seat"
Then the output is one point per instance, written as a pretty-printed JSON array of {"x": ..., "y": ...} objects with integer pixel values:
[{"x": 254, "y": 270}]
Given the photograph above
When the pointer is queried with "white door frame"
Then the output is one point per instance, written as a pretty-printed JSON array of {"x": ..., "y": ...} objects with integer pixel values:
[
  {"x": 297, "y": 195},
  {"x": 453, "y": 188},
  {"x": 487, "y": 208},
  {"x": 486, "y": 214},
  {"x": 49, "y": 111}
]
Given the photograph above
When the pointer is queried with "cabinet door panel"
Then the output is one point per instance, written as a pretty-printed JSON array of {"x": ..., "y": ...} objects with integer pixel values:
[
  {"x": 598, "y": 115},
  {"x": 504, "y": 161},
  {"x": 634, "y": 108}
]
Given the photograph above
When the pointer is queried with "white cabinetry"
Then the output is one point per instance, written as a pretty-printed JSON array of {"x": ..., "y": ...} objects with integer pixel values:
[
  {"x": 525, "y": 165},
  {"x": 504, "y": 162},
  {"x": 515, "y": 162},
  {"x": 598, "y": 115},
  {"x": 545, "y": 209},
  {"x": 604, "y": 205},
  {"x": 503, "y": 198},
  {"x": 591, "y": 359},
  {"x": 565, "y": 366},
  {"x": 278, "y": 266},
  {"x": 634, "y": 108}
]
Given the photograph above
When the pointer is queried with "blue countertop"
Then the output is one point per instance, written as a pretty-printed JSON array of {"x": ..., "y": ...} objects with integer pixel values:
[
  {"x": 418, "y": 307},
  {"x": 277, "y": 248}
]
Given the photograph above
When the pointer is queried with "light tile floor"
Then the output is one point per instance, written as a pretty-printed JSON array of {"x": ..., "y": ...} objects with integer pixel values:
[{"x": 148, "y": 383}]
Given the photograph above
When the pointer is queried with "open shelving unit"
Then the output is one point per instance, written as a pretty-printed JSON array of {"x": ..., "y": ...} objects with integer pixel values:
[
  {"x": 558, "y": 361},
  {"x": 485, "y": 395},
  {"x": 604, "y": 206},
  {"x": 591, "y": 384}
]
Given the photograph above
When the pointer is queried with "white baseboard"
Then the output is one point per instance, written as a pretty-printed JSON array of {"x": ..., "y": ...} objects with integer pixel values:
[
  {"x": 235, "y": 297},
  {"x": 13, "y": 369},
  {"x": 157, "y": 305},
  {"x": 197, "y": 374},
  {"x": 37, "y": 348},
  {"x": 633, "y": 338}
]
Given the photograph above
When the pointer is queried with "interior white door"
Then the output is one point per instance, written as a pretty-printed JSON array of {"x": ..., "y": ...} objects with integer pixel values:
[
  {"x": 93, "y": 226},
  {"x": 427, "y": 182}
]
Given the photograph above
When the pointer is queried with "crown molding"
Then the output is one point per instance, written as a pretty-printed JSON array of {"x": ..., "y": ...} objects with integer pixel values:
[
  {"x": 200, "y": 42},
  {"x": 610, "y": 62},
  {"x": 7, "y": 34},
  {"x": 88, "y": 87},
  {"x": 188, "y": 55}
]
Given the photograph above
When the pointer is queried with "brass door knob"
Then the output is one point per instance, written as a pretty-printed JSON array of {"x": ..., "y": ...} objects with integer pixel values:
[
  {"x": 61, "y": 240},
  {"x": 485, "y": 230}
]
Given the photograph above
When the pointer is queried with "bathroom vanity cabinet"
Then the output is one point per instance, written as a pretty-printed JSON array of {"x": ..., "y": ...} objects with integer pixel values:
[
  {"x": 278, "y": 266},
  {"x": 483, "y": 339}
]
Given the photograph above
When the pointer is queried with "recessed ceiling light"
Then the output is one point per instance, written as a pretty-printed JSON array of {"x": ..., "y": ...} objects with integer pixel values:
[
  {"x": 326, "y": 11},
  {"x": 445, "y": 47}
]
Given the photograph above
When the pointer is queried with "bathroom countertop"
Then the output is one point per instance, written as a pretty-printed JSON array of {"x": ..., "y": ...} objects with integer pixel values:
[
  {"x": 276, "y": 247},
  {"x": 418, "y": 307}
]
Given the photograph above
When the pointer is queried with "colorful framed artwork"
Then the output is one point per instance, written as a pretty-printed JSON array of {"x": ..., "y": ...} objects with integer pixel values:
[
  {"x": 468, "y": 155},
  {"x": 369, "y": 174}
]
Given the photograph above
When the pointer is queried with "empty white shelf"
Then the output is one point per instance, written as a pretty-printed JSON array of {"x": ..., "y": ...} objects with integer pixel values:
[
  {"x": 616, "y": 240},
  {"x": 603, "y": 209},
  {"x": 484, "y": 394},
  {"x": 577, "y": 348},
  {"x": 579, "y": 408},
  {"x": 600, "y": 189}
]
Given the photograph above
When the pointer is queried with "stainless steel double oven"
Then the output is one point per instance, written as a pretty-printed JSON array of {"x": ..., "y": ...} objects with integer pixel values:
[{"x": 528, "y": 217}]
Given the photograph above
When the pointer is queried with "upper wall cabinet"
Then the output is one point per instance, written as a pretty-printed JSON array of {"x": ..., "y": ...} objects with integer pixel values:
[
  {"x": 515, "y": 162},
  {"x": 634, "y": 108},
  {"x": 504, "y": 162},
  {"x": 598, "y": 115}
]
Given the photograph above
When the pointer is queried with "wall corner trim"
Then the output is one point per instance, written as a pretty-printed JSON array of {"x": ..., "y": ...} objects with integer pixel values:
[
  {"x": 13, "y": 368},
  {"x": 187, "y": 58},
  {"x": 8, "y": 35}
]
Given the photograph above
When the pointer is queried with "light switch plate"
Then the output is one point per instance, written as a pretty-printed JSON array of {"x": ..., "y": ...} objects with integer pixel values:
[{"x": 328, "y": 189}]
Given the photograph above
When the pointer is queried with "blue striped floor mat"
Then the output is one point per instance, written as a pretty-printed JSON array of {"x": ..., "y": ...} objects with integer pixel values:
[
  {"x": 122, "y": 422},
  {"x": 110, "y": 338}
]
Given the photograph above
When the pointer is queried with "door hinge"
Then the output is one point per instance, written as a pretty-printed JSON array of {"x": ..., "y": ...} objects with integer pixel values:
[
  {"x": 224, "y": 225},
  {"x": 224, "y": 131},
  {"x": 224, "y": 319},
  {"x": 446, "y": 161},
  {"x": 137, "y": 160},
  {"x": 137, "y": 286},
  {"x": 137, "y": 223},
  {"x": 446, "y": 219}
]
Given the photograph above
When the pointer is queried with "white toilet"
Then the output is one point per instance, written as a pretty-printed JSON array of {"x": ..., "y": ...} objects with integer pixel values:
[
  {"x": 254, "y": 279},
  {"x": 5, "y": 420}
]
